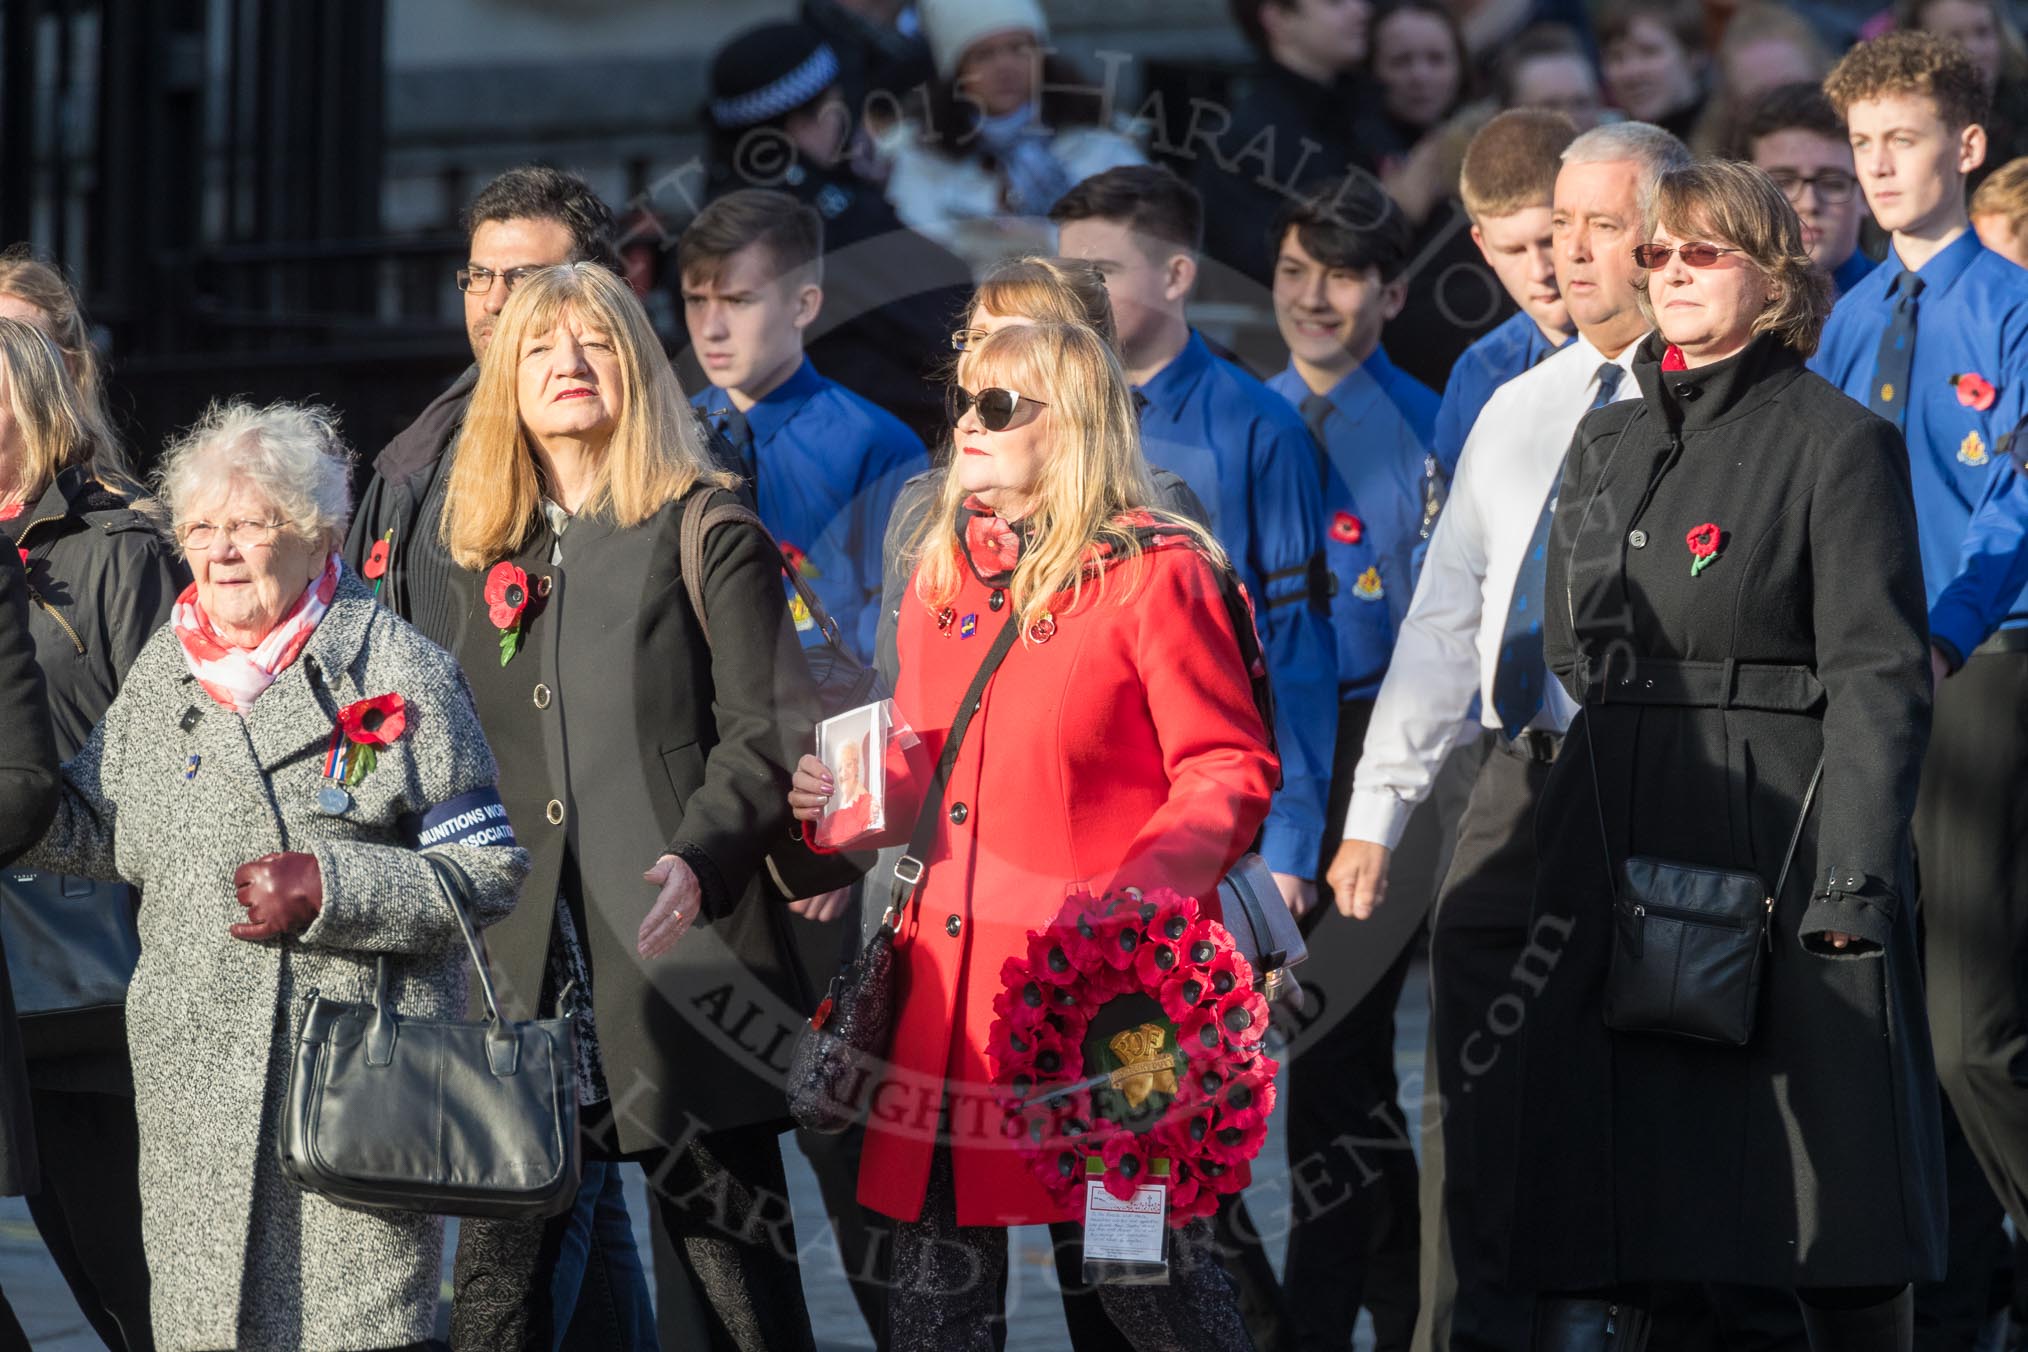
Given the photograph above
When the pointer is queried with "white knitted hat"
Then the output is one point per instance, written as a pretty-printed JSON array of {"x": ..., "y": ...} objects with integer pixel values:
[{"x": 951, "y": 26}]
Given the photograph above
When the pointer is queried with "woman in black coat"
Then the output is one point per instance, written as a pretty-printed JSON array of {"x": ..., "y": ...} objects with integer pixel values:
[
  {"x": 1733, "y": 592},
  {"x": 646, "y": 772},
  {"x": 100, "y": 581}
]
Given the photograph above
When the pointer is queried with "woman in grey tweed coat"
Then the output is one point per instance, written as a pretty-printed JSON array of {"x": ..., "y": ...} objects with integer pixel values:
[{"x": 207, "y": 786}]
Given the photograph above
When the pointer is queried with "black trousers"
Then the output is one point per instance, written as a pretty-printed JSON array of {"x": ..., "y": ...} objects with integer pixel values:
[
  {"x": 1480, "y": 987},
  {"x": 1354, "y": 1217},
  {"x": 1971, "y": 833},
  {"x": 88, "y": 1209},
  {"x": 724, "y": 1200}
]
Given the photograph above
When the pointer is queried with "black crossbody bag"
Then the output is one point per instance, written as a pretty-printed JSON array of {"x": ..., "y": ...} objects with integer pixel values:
[{"x": 1690, "y": 943}]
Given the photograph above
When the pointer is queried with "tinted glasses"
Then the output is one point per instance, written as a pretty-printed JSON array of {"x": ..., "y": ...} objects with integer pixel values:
[
  {"x": 1652, "y": 256},
  {"x": 998, "y": 409}
]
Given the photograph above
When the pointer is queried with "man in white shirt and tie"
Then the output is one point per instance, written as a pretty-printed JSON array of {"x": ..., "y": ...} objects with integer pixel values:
[{"x": 1474, "y": 626}]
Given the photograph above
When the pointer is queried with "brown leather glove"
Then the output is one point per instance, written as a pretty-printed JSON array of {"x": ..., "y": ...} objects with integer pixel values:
[{"x": 282, "y": 894}]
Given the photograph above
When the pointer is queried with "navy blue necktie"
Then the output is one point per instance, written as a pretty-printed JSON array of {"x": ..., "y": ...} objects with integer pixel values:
[
  {"x": 1519, "y": 677},
  {"x": 738, "y": 433},
  {"x": 1889, "y": 396},
  {"x": 1317, "y": 411}
]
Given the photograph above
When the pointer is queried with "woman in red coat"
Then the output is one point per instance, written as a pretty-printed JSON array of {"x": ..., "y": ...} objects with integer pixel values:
[{"x": 1118, "y": 743}]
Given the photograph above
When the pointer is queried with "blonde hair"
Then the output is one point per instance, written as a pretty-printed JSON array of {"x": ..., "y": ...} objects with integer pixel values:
[
  {"x": 1049, "y": 291},
  {"x": 2005, "y": 193},
  {"x": 1726, "y": 202},
  {"x": 46, "y": 406},
  {"x": 1093, "y": 477},
  {"x": 493, "y": 500},
  {"x": 27, "y": 278}
]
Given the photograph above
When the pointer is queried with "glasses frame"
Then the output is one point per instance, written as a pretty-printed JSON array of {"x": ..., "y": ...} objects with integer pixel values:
[
  {"x": 1716, "y": 252},
  {"x": 466, "y": 277},
  {"x": 266, "y": 532},
  {"x": 961, "y": 401},
  {"x": 1797, "y": 183}
]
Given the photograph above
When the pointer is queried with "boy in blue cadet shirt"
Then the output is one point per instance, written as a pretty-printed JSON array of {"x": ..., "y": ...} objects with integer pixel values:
[
  {"x": 1340, "y": 252},
  {"x": 1799, "y": 139},
  {"x": 1506, "y": 183},
  {"x": 1339, "y": 257},
  {"x": 1936, "y": 341},
  {"x": 824, "y": 464},
  {"x": 1245, "y": 454}
]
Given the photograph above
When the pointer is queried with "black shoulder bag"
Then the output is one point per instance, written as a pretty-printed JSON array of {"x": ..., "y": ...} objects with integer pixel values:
[
  {"x": 453, "y": 1118},
  {"x": 839, "y": 1052}
]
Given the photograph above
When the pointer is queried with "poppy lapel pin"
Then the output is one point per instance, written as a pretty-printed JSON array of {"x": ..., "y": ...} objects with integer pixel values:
[
  {"x": 506, "y": 600},
  {"x": 375, "y": 569},
  {"x": 1347, "y": 528},
  {"x": 1705, "y": 542},
  {"x": 1974, "y": 390},
  {"x": 364, "y": 727}
]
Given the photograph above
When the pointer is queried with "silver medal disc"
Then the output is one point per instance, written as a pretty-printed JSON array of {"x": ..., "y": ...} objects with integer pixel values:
[{"x": 333, "y": 801}]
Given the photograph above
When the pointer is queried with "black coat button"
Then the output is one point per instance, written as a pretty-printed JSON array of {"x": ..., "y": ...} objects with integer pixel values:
[
  {"x": 541, "y": 695},
  {"x": 996, "y": 600},
  {"x": 953, "y": 926},
  {"x": 958, "y": 813}
]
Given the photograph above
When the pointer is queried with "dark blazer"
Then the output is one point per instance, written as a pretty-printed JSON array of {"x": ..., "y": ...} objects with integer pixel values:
[
  {"x": 622, "y": 735},
  {"x": 27, "y": 801},
  {"x": 1810, "y": 1157},
  {"x": 404, "y": 497}
]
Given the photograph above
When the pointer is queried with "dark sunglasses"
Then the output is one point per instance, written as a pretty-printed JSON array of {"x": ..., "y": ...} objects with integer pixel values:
[
  {"x": 1652, "y": 256},
  {"x": 998, "y": 409}
]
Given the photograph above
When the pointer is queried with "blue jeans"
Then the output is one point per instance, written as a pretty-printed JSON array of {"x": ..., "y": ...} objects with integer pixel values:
[{"x": 596, "y": 1260}]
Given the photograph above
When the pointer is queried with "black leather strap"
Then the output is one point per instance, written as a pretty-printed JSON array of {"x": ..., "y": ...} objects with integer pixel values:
[{"x": 908, "y": 870}]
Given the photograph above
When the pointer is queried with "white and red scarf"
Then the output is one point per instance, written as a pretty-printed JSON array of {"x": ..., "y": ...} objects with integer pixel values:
[{"x": 233, "y": 676}]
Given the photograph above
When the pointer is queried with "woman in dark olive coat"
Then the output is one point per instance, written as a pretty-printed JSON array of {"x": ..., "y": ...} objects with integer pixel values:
[
  {"x": 1733, "y": 591},
  {"x": 646, "y": 769}
]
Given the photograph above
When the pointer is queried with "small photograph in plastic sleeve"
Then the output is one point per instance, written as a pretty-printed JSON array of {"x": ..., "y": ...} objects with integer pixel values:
[{"x": 853, "y": 748}]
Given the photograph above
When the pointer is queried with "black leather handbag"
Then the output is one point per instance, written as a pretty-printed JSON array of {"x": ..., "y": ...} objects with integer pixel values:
[
  {"x": 1690, "y": 943},
  {"x": 72, "y": 945},
  {"x": 843, "y": 683},
  {"x": 452, "y": 1118}
]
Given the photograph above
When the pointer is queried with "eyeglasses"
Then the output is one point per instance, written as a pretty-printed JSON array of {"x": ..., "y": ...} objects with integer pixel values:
[
  {"x": 481, "y": 279},
  {"x": 964, "y": 340},
  {"x": 998, "y": 409},
  {"x": 198, "y": 536},
  {"x": 1832, "y": 186},
  {"x": 1652, "y": 256}
]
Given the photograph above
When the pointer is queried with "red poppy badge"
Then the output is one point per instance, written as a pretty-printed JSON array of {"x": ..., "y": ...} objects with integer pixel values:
[
  {"x": 506, "y": 599},
  {"x": 1704, "y": 542},
  {"x": 1974, "y": 390}
]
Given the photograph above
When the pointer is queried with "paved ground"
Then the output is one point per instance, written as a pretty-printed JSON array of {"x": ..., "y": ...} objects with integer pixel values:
[{"x": 53, "y": 1323}]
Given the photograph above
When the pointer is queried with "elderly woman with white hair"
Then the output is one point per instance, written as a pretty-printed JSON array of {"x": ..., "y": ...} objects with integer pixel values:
[{"x": 264, "y": 777}]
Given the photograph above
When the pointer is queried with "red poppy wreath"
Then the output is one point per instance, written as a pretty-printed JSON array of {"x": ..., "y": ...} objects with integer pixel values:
[{"x": 1131, "y": 1031}]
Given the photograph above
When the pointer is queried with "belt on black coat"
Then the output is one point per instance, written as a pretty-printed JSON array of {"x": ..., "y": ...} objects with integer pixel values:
[{"x": 1729, "y": 684}]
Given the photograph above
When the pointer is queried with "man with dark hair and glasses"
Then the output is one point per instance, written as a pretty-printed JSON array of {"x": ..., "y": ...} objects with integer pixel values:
[
  {"x": 1799, "y": 139},
  {"x": 528, "y": 218}
]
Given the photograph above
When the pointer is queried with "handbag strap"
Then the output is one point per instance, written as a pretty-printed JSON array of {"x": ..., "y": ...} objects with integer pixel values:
[
  {"x": 1788, "y": 856},
  {"x": 700, "y": 517},
  {"x": 908, "y": 869}
]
